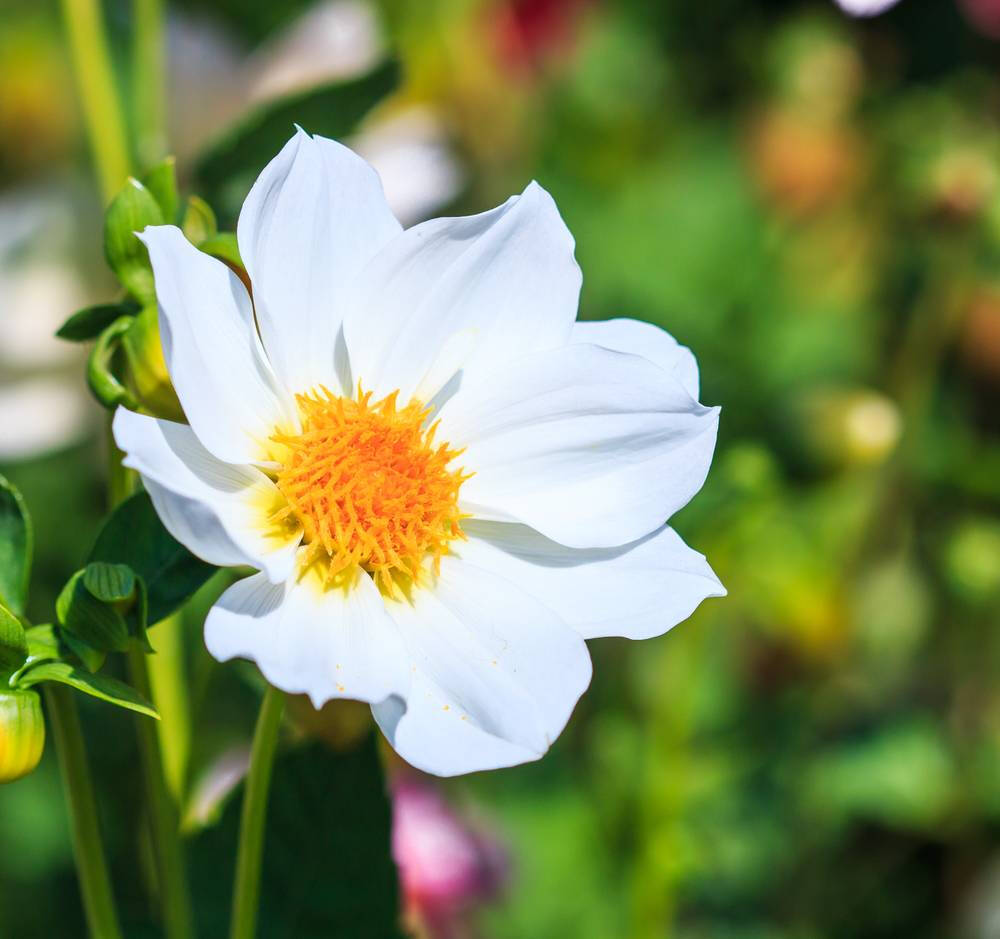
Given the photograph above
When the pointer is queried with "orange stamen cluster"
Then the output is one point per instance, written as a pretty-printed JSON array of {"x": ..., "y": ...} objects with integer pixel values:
[{"x": 370, "y": 487}]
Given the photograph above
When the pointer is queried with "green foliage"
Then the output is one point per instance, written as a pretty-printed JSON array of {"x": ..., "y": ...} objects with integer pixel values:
[
  {"x": 98, "y": 686},
  {"x": 161, "y": 181},
  {"x": 199, "y": 222},
  {"x": 16, "y": 543},
  {"x": 224, "y": 247},
  {"x": 104, "y": 606},
  {"x": 333, "y": 110},
  {"x": 134, "y": 535},
  {"x": 327, "y": 867},
  {"x": 43, "y": 643},
  {"x": 101, "y": 377},
  {"x": 130, "y": 212},
  {"x": 90, "y": 322},
  {"x": 88, "y": 617},
  {"x": 13, "y": 643}
]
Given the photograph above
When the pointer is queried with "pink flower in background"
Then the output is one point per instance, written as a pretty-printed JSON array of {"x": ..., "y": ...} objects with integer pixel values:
[
  {"x": 445, "y": 867},
  {"x": 528, "y": 32},
  {"x": 984, "y": 15}
]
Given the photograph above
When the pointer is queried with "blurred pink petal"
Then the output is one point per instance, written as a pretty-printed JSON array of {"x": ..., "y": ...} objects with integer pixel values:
[
  {"x": 444, "y": 865},
  {"x": 984, "y": 15}
]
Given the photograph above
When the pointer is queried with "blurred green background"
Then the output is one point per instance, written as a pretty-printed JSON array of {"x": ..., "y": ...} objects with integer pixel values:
[{"x": 812, "y": 204}]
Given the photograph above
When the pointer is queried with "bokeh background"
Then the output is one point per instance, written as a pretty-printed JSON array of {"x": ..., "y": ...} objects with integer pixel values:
[{"x": 812, "y": 204}]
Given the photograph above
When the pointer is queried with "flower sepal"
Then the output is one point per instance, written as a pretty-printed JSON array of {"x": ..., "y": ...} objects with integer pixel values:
[{"x": 147, "y": 372}]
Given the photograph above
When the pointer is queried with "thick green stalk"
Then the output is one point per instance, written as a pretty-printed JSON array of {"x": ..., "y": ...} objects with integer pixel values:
[
  {"x": 246, "y": 889},
  {"x": 149, "y": 104},
  {"x": 169, "y": 686},
  {"x": 95, "y": 82},
  {"x": 98, "y": 901},
  {"x": 164, "y": 813},
  {"x": 164, "y": 817}
]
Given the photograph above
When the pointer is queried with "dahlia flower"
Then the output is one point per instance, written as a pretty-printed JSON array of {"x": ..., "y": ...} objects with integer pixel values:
[{"x": 445, "y": 483}]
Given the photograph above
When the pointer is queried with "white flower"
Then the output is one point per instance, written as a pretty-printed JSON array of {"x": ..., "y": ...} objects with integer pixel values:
[
  {"x": 452, "y": 581},
  {"x": 865, "y": 7}
]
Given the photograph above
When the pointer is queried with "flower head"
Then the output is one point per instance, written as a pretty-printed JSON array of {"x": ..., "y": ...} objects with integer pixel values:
[{"x": 446, "y": 484}]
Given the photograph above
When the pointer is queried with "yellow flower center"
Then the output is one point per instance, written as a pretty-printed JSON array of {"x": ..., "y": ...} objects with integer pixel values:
[{"x": 370, "y": 488}]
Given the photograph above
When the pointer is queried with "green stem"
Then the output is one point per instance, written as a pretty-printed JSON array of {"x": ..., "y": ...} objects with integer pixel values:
[
  {"x": 95, "y": 81},
  {"x": 148, "y": 80},
  {"x": 98, "y": 901},
  {"x": 246, "y": 889},
  {"x": 164, "y": 816},
  {"x": 169, "y": 686}
]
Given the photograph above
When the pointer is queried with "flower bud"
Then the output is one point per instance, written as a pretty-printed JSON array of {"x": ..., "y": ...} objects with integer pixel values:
[
  {"x": 340, "y": 723},
  {"x": 148, "y": 375},
  {"x": 22, "y": 733}
]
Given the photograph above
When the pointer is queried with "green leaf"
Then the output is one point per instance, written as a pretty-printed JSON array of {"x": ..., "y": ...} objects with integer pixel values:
[
  {"x": 333, "y": 110},
  {"x": 131, "y": 211},
  {"x": 224, "y": 247},
  {"x": 109, "y": 582},
  {"x": 101, "y": 377},
  {"x": 135, "y": 536},
  {"x": 90, "y": 658},
  {"x": 199, "y": 221},
  {"x": 13, "y": 643},
  {"x": 99, "y": 624},
  {"x": 99, "y": 686},
  {"x": 16, "y": 543},
  {"x": 91, "y": 321},
  {"x": 43, "y": 643},
  {"x": 161, "y": 181},
  {"x": 328, "y": 869},
  {"x": 116, "y": 584}
]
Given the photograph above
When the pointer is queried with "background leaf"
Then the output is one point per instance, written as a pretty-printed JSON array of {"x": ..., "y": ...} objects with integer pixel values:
[
  {"x": 98, "y": 686},
  {"x": 131, "y": 211},
  {"x": 15, "y": 547},
  {"x": 230, "y": 165},
  {"x": 91, "y": 321},
  {"x": 327, "y": 864},
  {"x": 135, "y": 536}
]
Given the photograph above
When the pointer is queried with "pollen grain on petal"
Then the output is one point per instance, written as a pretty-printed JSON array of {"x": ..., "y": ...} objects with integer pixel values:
[{"x": 370, "y": 488}]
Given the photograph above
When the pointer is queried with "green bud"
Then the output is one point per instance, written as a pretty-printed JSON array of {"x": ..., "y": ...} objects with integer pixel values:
[
  {"x": 147, "y": 369},
  {"x": 22, "y": 733}
]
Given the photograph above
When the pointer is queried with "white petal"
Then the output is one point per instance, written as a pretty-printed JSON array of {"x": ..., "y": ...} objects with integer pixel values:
[
  {"x": 506, "y": 279},
  {"x": 865, "y": 7},
  {"x": 218, "y": 511},
  {"x": 651, "y": 342},
  {"x": 211, "y": 347},
  {"x": 495, "y": 674},
  {"x": 315, "y": 215},
  {"x": 591, "y": 447},
  {"x": 306, "y": 640},
  {"x": 638, "y": 591}
]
